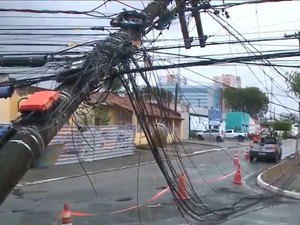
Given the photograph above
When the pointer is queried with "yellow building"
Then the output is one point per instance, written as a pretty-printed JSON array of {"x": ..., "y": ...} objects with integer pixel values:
[
  {"x": 9, "y": 106},
  {"x": 115, "y": 110},
  {"x": 120, "y": 112}
]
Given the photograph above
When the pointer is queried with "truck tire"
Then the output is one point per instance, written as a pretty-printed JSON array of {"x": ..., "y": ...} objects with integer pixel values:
[
  {"x": 240, "y": 138},
  {"x": 251, "y": 158},
  {"x": 279, "y": 156},
  {"x": 274, "y": 160},
  {"x": 219, "y": 139},
  {"x": 200, "y": 137}
]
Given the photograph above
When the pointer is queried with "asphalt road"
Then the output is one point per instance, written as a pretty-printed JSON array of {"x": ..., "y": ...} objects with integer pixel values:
[{"x": 117, "y": 195}]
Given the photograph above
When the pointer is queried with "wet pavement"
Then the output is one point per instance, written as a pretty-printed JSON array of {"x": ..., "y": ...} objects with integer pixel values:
[{"x": 116, "y": 194}]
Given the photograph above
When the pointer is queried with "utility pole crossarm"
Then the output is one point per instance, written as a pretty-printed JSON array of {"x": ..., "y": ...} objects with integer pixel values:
[{"x": 33, "y": 135}]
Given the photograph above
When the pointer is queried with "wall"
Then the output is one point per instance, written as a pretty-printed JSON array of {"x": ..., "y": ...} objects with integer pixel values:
[
  {"x": 238, "y": 121},
  {"x": 183, "y": 109},
  {"x": 99, "y": 142},
  {"x": 185, "y": 126},
  {"x": 5, "y": 116},
  {"x": 140, "y": 138},
  {"x": 198, "y": 122},
  {"x": 9, "y": 110},
  {"x": 253, "y": 126}
]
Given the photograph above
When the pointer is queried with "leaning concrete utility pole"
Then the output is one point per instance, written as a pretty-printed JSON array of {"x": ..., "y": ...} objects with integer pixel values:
[{"x": 33, "y": 135}]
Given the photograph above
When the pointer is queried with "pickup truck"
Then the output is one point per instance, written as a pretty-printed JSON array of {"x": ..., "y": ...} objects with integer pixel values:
[{"x": 232, "y": 134}]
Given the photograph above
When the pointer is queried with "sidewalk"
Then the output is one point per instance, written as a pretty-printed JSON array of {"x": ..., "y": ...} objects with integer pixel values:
[
  {"x": 282, "y": 178},
  {"x": 290, "y": 181},
  {"x": 142, "y": 156}
]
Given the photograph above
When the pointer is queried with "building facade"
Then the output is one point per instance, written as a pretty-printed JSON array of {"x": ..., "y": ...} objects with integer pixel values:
[
  {"x": 228, "y": 80},
  {"x": 198, "y": 96},
  {"x": 171, "y": 79}
]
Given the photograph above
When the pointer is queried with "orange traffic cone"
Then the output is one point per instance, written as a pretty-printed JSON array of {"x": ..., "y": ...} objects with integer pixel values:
[
  {"x": 247, "y": 155},
  {"x": 182, "y": 192},
  {"x": 66, "y": 215},
  {"x": 236, "y": 160},
  {"x": 238, "y": 176}
]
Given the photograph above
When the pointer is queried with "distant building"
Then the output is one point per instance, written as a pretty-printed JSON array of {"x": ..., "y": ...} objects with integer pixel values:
[
  {"x": 198, "y": 96},
  {"x": 228, "y": 80},
  {"x": 171, "y": 79}
]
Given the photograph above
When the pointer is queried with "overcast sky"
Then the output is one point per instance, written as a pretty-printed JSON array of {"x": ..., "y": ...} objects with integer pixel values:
[{"x": 253, "y": 21}]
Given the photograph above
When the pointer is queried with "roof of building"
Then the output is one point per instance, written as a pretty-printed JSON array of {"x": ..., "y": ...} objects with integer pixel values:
[{"x": 152, "y": 109}]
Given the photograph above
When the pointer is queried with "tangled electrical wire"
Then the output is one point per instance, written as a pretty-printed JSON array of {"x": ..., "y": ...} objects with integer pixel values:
[{"x": 102, "y": 65}]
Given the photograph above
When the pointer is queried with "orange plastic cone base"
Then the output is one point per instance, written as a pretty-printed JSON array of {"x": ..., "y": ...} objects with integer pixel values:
[
  {"x": 66, "y": 215},
  {"x": 236, "y": 160},
  {"x": 238, "y": 176},
  {"x": 182, "y": 193}
]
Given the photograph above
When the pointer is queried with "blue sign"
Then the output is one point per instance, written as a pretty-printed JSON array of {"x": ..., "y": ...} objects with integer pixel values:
[{"x": 214, "y": 115}]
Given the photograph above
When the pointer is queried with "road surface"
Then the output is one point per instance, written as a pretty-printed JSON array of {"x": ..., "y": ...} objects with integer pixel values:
[{"x": 117, "y": 196}]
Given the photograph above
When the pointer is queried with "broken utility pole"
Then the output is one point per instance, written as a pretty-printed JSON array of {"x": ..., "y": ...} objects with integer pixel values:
[{"x": 34, "y": 134}]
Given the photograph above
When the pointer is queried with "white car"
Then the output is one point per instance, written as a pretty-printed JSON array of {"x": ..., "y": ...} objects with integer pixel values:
[{"x": 213, "y": 134}]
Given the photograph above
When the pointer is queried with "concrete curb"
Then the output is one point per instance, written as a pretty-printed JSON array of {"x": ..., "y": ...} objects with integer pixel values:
[{"x": 269, "y": 187}]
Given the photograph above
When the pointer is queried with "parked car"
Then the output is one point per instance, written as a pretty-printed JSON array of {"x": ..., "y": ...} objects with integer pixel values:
[
  {"x": 213, "y": 134},
  {"x": 232, "y": 134},
  {"x": 269, "y": 147}
]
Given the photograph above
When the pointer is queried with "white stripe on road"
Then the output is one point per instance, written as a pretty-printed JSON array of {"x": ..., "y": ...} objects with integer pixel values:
[
  {"x": 41, "y": 181},
  {"x": 113, "y": 169}
]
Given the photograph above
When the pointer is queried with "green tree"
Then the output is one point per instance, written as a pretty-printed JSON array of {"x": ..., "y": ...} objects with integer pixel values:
[
  {"x": 282, "y": 125},
  {"x": 114, "y": 84},
  {"x": 101, "y": 116},
  {"x": 294, "y": 83},
  {"x": 156, "y": 93},
  {"x": 250, "y": 100},
  {"x": 266, "y": 124}
]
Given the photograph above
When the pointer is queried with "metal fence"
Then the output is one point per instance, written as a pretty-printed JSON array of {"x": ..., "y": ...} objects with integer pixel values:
[{"x": 99, "y": 142}]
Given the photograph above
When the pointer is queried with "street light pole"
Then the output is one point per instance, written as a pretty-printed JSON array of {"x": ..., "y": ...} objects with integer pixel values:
[
  {"x": 296, "y": 35},
  {"x": 32, "y": 137}
]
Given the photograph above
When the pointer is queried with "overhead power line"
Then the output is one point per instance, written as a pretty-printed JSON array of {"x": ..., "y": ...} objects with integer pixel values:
[
  {"x": 222, "y": 43},
  {"x": 33, "y": 135},
  {"x": 215, "y": 61}
]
